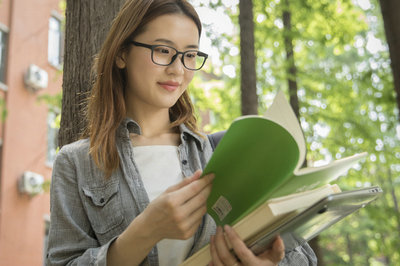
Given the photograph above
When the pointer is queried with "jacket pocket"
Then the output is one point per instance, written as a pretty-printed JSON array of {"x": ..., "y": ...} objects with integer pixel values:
[{"x": 103, "y": 206}]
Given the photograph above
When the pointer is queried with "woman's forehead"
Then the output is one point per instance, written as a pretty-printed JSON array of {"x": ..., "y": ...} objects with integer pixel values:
[{"x": 176, "y": 29}]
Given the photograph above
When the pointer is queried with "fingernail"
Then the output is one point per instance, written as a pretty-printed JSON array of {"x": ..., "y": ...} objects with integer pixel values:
[
  {"x": 211, "y": 176},
  {"x": 227, "y": 228}
]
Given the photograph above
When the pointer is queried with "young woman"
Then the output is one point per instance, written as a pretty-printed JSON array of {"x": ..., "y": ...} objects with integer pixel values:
[{"x": 130, "y": 193}]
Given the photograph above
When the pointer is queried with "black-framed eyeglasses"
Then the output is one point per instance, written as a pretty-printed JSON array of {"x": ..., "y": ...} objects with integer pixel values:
[{"x": 164, "y": 55}]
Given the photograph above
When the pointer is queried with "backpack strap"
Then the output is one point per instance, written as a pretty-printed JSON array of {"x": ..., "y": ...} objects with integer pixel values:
[{"x": 214, "y": 138}]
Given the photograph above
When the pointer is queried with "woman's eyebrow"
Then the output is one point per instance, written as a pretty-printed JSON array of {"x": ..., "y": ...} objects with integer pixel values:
[{"x": 166, "y": 41}]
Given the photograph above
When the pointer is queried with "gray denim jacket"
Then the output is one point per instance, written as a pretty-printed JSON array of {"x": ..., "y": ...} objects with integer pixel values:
[{"x": 88, "y": 211}]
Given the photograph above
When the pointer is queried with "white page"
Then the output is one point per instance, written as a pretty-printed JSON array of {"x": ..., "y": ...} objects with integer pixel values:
[{"x": 282, "y": 113}]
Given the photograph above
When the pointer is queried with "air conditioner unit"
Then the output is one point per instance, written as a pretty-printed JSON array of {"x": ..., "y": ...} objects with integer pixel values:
[
  {"x": 36, "y": 78},
  {"x": 31, "y": 183}
]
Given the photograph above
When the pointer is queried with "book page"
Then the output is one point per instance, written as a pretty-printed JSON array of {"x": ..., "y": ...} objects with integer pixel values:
[
  {"x": 338, "y": 166},
  {"x": 282, "y": 113},
  {"x": 301, "y": 200},
  {"x": 312, "y": 177}
]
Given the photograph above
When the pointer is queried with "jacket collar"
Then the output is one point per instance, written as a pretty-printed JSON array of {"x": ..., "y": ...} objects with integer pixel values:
[
  {"x": 186, "y": 132},
  {"x": 128, "y": 125}
]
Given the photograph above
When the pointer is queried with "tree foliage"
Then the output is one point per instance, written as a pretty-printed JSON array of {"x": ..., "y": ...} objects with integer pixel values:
[{"x": 347, "y": 105}]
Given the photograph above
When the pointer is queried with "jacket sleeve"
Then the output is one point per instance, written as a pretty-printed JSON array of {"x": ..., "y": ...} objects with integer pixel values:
[
  {"x": 71, "y": 238},
  {"x": 300, "y": 256}
]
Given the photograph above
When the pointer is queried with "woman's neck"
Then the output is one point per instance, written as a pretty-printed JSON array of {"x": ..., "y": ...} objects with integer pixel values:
[{"x": 155, "y": 128}]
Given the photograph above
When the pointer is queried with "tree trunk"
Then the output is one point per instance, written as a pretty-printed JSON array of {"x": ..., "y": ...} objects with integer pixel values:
[
  {"x": 395, "y": 200},
  {"x": 349, "y": 249},
  {"x": 391, "y": 20},
  {"x": 291, "y": 67},
  {"x": 248, "y": 82},
  {"x": 87, "y": 23},
  {"x": 294, "y": 100}
]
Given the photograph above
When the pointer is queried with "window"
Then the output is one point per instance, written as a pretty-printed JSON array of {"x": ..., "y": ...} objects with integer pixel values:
[
  {"x": 55, "y": 42},
  {"x": 3, "y": 55},
  {"x": 52, "y": 136},
  {"x": 46, "y": 237}
]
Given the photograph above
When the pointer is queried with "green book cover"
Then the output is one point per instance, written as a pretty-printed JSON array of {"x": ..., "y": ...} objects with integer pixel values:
[{"x": 259, "y": 158}]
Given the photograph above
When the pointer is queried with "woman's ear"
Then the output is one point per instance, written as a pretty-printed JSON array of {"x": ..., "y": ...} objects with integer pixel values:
[{"x": 120, "y": 60}]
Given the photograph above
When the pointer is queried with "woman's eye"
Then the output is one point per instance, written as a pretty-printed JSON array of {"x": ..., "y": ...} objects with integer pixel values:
[
  {"x": 191, "y": 55},
  {"x": 162, "y": 50}
]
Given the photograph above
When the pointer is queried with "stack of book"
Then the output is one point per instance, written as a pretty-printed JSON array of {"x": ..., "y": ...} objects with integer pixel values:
[{"x": 262, "y": 190}]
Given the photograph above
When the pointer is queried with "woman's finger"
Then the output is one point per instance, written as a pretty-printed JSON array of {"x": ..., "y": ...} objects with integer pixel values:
[
  {"x": 214, "y": 255},
  {"x": 194, "y": 188},
  {"x": 185, "y": 181},
  {"x": 279, "y": 249},
  {"x": 222, "y": 249},
  {"x": 193, "y": 220},
  {"x": 276, "y": 253},
  {"x": 199, "y": 200},
  {"x": 244, "y": 254}
]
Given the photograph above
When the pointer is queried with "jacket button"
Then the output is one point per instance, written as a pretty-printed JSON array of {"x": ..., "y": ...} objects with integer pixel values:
[
  {"x": 184, "y": 162},
  {"x": 102, "y": 200}
]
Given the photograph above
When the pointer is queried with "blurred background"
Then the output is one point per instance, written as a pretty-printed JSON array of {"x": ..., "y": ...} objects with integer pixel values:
[{"x": 336, "y": 60}]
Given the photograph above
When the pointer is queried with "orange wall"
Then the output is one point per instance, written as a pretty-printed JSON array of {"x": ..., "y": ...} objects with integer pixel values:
[
  {"x": 4, "y": 12},
  {"x": 24, "y": 131}
]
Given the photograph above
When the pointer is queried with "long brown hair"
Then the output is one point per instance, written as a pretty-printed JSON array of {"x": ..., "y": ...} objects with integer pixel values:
[{"x": 106, "y": 105}]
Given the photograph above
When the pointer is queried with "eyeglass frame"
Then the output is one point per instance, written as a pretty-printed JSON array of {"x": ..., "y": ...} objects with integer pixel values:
[{"x": 151, "y": 47}]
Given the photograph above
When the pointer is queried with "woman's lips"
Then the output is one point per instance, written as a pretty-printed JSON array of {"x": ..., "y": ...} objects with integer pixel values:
[{"x": 169, "y": 85}]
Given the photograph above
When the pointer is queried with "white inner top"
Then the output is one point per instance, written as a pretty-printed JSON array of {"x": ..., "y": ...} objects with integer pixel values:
[{"x": 160, "y": 168}]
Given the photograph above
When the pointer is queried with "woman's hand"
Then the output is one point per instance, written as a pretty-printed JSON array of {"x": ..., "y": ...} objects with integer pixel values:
[
  {"x": 178, "y": 212},
  {"x": 175, "y": 214},
  {"x": 222, "y": 256}
]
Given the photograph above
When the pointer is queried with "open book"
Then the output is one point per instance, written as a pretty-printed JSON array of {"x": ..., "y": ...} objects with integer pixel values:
[
  {"x": 260, "y": 158},
  {"x": 259, "y": 180}
]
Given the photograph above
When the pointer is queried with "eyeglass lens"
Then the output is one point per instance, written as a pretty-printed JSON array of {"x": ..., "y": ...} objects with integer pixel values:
[{"x": 163, "y": 55}]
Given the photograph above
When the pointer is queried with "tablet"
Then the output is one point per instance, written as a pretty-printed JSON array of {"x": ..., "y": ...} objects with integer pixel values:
[{"x": 308, "y": 223}]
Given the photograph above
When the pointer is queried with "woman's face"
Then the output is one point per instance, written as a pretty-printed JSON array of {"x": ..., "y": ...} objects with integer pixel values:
[{"x": 152, "y": 86}]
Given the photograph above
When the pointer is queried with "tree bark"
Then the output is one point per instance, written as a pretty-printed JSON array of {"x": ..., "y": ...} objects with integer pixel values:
[
  {"x": 395, "y": 200},
  {"x": 87, "y": 23},
  {"x": 249, "y": 98},
  {"x": 294, "y": 100},
  {"x": 349, "y": 249},
  {"x": 391, "y": 20},
  {"x": 291, "y": 67}
]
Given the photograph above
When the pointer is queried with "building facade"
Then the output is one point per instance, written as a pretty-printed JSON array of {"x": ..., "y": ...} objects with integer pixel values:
[{"x": 30, "y": 67}]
